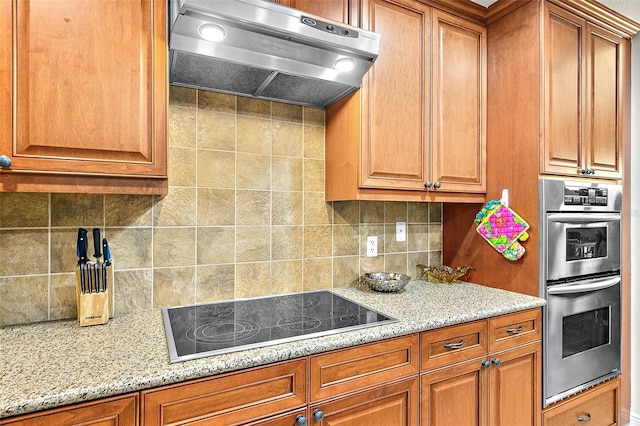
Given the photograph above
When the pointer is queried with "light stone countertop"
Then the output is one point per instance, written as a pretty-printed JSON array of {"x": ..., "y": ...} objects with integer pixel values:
[{"x": 50, "y": 364}]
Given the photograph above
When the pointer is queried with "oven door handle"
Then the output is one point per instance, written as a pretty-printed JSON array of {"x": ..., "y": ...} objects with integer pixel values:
[
  {"x": 591, "y": 285},
  {"x": 583, "y": 217}
]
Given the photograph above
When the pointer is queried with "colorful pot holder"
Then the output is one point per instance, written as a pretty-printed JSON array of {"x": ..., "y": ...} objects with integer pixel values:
[{"x": 502, "y": 228}]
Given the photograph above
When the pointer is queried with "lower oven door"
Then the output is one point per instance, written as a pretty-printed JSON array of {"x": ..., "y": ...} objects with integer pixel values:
[{"x": 582, "y": 338}]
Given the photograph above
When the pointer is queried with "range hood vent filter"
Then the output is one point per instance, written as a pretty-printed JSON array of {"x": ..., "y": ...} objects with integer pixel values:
[{"x": 269, "y": 51}]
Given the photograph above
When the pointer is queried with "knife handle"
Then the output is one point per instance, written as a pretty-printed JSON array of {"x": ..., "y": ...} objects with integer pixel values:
[
  {"x": 96, "y": 242},
  {"x": 81, "y": 246},
  {"x": 107, "y": 251}
]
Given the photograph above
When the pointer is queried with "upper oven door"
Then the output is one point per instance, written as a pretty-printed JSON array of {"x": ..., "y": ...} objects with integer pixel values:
[{"x": 582, "y": 244}]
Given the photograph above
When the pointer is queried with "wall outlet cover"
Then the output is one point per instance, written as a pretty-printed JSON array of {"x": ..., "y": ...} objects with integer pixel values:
[{"x": 372, "y": 246}]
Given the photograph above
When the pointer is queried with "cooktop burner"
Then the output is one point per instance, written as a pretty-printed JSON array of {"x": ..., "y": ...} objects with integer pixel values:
[{"x": 197, "y": 331}]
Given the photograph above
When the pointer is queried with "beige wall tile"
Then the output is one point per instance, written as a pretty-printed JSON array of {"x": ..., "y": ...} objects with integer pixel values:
[
  {"x": 286, "y": 242},
  {"x": 313, "y": 142},
  {"x": 417, "y": 237},
  {"x": 22, "y": 210},
  {"x": 418, "y": 212},
  {"x": 253, "y": 207},
  {"x": 216, "y": 169},
  {"x": 174, "y": 247},
  {"x": 253, "y": 135},
  {"x": 286, "y": 277},
  {"x": 177, "y": 208},
  {"x": 216, "y": 101},
  {"x": 182, "y": 166},
  {"x": 346, "y": 271},
  {"x": 435, "y": 237},
  {"x": 63, "y": 251},
  {"x": 216, "y": 207},
  {"x": 287, "y": 139},
  {"x": 24, "y": 252},
  {"x": 216, "y": 245},
  {"x": 128, "y": 210},
  {"x": 253, "y": 279},
  {"x": 316, "y": 210},
  {"x": 313, "y": 175},
  {"x": 317, "y": 241},
  {"x": 216, "y": 131},
  {"x": 346, "y": 212},
  {"x": 215, "y": 283},
  {"x": 346, "y": 241},
  {"x": 435, "y": 212},
  {"x": 253, "y": 171},
  {"x": 317, "y": 274},
  {"x": 396, "y": 262},
  {"x": 435, "y": 258},
  {"x": 131, "y": 248},
  {"x": 77, "y": 210},
  {"x": 182, "y": 96},
  {"x": 182, "y": 127},
  {"x": 286, "y": 208},
  {"x": 371, "y": 212},
  {"x": 395, "y": 211},
  {"x": 286, "y": 112},
  {"x": 253, "y": 243},
  {"x": 313, "y": 116},
  {"x": 23, "y": 299},
  {"x": 254, "y": 107},
  {"x": 390, "y": 243},
  {"x": 133, "y": 291},
  {"x": 417, "y": 258},
  {"x": 371, "y": 264},
  {"x": 63, "y": 297},
  {"x": 173, "y": 286},
  {"x": 287, "y": 173}
]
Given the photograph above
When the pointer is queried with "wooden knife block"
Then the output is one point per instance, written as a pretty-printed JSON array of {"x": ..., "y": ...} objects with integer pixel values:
[{"x": 95, "y": 308}]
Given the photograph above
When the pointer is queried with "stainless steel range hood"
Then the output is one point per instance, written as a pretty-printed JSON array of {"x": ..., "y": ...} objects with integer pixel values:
[{"x": 267, "y": 51}]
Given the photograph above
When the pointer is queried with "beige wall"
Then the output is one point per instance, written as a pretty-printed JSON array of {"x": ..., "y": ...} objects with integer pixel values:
[{"x": 245, "y": 216}]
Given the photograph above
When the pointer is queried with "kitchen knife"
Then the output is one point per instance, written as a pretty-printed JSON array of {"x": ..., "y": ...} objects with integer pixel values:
[
  {"x": 107, "y": 262},
  {"x": 81, "y": 252},
  {"x": 97, "y": 255}
]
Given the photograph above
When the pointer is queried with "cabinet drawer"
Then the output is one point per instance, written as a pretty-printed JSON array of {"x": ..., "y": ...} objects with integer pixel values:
[
  {"x": 599, "y": 406},
  {"x": 515, "y": 329},
  {"x": 229, "y": 399},
  {"x": 453, "y": 344},
  {"x": 367, "y": 365}
]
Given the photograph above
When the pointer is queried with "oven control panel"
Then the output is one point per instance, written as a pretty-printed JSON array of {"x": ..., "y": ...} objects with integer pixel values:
[{"x": 581, "y": 196}]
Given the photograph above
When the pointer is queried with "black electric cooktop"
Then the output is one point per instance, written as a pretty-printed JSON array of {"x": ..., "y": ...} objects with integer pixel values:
[{"x": 197, "y": 331}]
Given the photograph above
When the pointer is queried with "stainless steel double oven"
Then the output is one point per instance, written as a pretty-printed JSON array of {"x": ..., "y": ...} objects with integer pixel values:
[{"x": 580, "y": 279}]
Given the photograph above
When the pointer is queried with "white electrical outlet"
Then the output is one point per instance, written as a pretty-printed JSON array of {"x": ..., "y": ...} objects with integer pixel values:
[
  {"x": 372, "y": 246},
  {"x": 401, "y": 231}
]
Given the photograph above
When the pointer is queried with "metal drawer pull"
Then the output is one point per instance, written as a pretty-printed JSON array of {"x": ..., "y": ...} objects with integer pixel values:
[
  {"x": 585, "y": 419},
  {"x": 515, "y": 330},
  {"x": 454, "y": 345}
]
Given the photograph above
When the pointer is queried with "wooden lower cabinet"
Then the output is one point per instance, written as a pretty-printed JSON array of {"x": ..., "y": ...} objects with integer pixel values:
[
  {"x": 599, "y": 406},
  {"x": 393, "y": 404},
  {"x": 121, "y": 410}
]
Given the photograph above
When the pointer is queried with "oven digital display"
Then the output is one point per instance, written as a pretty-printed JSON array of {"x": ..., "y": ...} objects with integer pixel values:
[
  {"x": 581, "y": 196},
  {"x": 586, "y": 243},
  {"x": 584, "y": 331}
]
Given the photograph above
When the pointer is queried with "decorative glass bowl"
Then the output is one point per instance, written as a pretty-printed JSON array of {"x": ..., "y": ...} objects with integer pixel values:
[
  {"x": 386, "y": 281},
  {"x": 443, "y": 274}
]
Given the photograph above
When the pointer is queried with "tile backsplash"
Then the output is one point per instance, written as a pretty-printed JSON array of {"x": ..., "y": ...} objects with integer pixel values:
[{"x": 245, "y": 216}]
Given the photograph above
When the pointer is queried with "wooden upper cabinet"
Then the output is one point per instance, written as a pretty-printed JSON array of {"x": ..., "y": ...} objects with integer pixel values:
[
  {"x": 90, "y": 88},
  {"x": 336, "y": 10},
  {"x": 583, "y": 97},
  {"x": 395, "y": 114},
  {"x": 459, "y": 70}
]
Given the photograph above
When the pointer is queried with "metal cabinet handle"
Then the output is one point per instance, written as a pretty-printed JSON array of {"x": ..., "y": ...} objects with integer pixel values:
[
  {"x": 427, "y": 185},
  {"x": 454, "y": 345},
  {"x": 515, "y": 330},
  {"x": 585, "y": 419},
  {"x": 436, "y": 185},
  {"x": 301, "y": 420},
  {"x": 485, "y": 364},
  {"x": 318, "y": 415},
  {"x": 5, "y": 161},
  {"x": 495, "y": 361}
]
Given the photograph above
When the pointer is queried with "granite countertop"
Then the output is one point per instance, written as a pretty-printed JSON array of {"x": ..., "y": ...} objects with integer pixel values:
[{"x": 50, "y": 364}]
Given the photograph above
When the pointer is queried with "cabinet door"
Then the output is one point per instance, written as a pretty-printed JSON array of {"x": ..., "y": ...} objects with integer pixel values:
[
  {"x": 90, "y": 87},
  {"x": 515, "y": 385},
  {"x": 336, "y": 10},
  {"x": 564, "y": 92},
  {"x": 117, "y": 411},
  {"x": 394, "y": 404},
  {"x": 459, "y": 104},
  {"x": 455, "y": 396},
  {"x": 604, "y": 126},
  {"x": 395, "y": 97}
]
